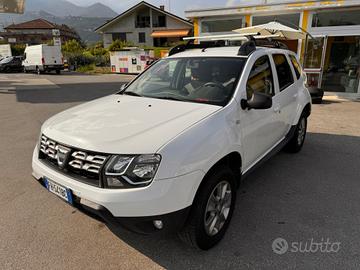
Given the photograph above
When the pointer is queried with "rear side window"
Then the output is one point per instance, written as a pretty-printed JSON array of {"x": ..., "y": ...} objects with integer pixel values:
[
  {"x": 260, "y": 78},
  {"x": 296, "y": 66},
  {"x": 283, "y": 70}
]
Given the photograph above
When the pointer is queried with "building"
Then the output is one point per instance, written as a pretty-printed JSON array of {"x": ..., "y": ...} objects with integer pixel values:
[
  {"x": 331, "y": 59},
  {"x": 146, "y": 25},
  {"x": 37, "y": 31}
]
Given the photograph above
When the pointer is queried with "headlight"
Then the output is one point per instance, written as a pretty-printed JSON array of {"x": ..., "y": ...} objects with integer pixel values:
[{"x": 130, "y": 171}]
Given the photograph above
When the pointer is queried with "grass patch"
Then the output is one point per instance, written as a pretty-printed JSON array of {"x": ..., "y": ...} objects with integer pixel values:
[
  {"x": 92, "y": 69},
  {"x": 86, "y": 69}
]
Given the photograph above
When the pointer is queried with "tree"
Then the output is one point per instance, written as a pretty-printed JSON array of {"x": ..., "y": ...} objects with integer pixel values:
[
  {"x": 98, "y": 49},
  {"x": 72, "y": 46},
  {"x": 118, "y": 45},
  {"x": 18, "y": 49}
]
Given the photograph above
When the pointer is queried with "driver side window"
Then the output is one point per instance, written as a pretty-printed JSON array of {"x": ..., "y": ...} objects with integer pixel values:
[{"x": 260, "y": 78}]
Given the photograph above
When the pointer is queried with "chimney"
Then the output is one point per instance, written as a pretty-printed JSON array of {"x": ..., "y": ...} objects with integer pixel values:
[{"x": 162, "y": 7}]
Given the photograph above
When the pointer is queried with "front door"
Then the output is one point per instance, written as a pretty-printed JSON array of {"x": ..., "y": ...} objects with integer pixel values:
[{"x": 258, "y": 127}]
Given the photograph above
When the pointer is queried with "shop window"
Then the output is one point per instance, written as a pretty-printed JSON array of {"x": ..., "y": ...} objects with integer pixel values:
[
  {"x": 142, "y": 37},
  {"x": 336, "y": 18},
  {"x": 314, "y": 53},
  {"x": 341, "y": 71},
  {"x": 221, "y": 25},
  {"x": 283, "y": 70},
  {"x": 286, "y": 19}
]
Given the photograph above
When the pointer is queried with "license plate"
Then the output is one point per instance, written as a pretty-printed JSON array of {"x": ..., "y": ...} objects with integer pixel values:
[{"x": 60, "y": 191}]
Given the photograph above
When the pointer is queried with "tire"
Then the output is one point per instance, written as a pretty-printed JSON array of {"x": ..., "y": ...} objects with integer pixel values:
[
  {"x": 38, "y": 71},
  {"x": 297, "y": 141},
  {"x": 58, "y": 72},
  {"x": 197, "y": 231}
]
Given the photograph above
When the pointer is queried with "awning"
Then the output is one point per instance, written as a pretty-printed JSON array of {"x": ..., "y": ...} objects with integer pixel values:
[
  {"x": 170, "y": 33},
  {"x": 273, "y": 28}
]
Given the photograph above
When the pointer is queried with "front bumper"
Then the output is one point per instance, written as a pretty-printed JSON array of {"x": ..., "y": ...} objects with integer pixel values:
[{"x": 161, "y": 197}]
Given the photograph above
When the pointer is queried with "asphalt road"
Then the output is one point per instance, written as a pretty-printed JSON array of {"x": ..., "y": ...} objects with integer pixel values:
[{"x": 307, "y": 199}]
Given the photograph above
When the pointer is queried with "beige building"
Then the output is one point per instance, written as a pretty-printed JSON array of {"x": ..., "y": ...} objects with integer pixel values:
[
  {"x": 332, "y": 60},
  {"x": 147, "y": 25}
]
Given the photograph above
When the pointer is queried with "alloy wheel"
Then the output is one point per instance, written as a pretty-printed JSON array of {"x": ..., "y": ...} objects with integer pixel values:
[
  {"x": 301, "y": 131},
  {"x": 218, "y": 208}
]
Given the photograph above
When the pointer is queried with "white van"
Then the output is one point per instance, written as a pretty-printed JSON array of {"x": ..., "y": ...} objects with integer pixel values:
[{"x": 43, "y": 58}]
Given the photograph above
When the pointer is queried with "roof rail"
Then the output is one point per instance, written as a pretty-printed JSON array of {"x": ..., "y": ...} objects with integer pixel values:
[
  {"x": 190, "y": 45},
  {"x": 220, "y": 41},
  {"x": 271, "y": 44}
]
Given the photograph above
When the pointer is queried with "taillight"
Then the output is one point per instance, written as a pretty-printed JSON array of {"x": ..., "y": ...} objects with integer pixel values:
[
  {"x": 43, "y": 60},
  {"x": 62, "y": 60}
]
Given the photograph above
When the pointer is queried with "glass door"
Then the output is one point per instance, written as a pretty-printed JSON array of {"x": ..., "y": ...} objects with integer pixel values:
[{"x": 341, "y": 68}]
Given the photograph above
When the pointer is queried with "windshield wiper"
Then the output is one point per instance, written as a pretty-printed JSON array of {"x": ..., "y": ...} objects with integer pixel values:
[
  {"x": 129, "y": 93},
  {"x": 169, "y": 98}
]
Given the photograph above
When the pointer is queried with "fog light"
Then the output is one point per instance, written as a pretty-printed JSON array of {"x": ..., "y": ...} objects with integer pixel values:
[{"x": 158, "y": 224}]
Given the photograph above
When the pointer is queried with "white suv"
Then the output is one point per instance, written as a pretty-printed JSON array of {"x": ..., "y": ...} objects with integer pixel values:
[{"x": 169, "y": 150}]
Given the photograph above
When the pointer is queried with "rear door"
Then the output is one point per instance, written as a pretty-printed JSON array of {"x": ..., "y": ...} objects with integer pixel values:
[
  {"x": 285, "y": 98},
  {"x": 52, "y": 55}
]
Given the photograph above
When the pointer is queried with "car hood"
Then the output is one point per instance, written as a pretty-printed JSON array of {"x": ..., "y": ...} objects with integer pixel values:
[{"x": 120, "y": 124}]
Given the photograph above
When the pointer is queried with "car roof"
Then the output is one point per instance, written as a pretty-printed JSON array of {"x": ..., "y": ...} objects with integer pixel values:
[{"x": 228, "y": 51}]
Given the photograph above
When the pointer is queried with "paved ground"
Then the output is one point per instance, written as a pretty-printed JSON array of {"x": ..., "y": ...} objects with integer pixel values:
[{"x": 312, "y": 195}]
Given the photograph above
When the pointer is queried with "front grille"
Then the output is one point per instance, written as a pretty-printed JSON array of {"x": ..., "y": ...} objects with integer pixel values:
[{"x": 82, "y": 165}]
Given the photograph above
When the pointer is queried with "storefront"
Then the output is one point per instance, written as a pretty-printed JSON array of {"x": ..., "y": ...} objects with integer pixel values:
[{"x": 331, "y": 60}]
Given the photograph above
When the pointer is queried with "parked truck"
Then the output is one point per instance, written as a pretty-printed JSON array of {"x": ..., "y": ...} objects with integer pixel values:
[{"x": 43, "y": 58}]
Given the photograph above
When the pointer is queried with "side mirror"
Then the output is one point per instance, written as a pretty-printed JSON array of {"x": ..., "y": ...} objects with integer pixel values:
[{"x": 258, "y": 101}]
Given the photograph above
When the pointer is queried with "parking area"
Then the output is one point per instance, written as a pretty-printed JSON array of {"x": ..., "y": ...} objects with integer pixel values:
[{"x": 306, "y": 199}]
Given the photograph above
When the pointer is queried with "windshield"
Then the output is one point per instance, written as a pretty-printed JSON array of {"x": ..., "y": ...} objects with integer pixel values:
[
  {"x": 210, "y": 80},
  {"x": 6, "y": 60}
]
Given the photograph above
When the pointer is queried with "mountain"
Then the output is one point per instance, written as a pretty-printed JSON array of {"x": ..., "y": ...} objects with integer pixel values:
[
  {"x": 83, "y": 19},
  {"x": 99, "y": 10},
  {"x": 84, "y": 26},
  {"x": 63, "y": 8}
]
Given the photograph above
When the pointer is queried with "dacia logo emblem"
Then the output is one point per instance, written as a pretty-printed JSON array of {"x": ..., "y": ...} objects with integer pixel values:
[{"x": 62, "y": 155}]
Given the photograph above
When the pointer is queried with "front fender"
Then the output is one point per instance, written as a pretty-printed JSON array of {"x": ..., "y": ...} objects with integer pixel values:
[{"x": 202, "y": 145}]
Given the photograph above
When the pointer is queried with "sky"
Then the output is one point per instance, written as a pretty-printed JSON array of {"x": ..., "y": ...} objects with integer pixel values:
[{"x": 176, "y": 6}]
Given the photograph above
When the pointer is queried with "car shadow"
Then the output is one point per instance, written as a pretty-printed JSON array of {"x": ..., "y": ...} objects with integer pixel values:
[{"x": 311, "y": 194}]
